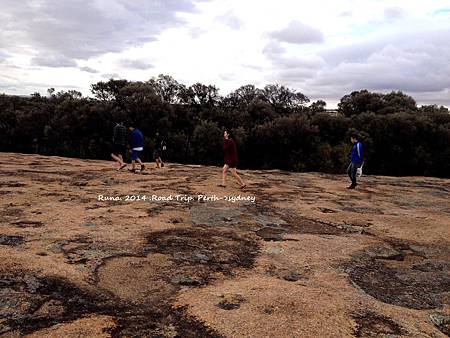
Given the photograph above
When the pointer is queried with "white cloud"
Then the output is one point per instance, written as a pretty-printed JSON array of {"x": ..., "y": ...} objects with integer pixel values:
[
  {"x": 230, "y": 19},
  {"x": 324, "y": 48}
]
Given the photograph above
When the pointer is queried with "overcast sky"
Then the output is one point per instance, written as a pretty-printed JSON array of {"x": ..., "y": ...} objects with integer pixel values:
[{"x": 324, "y": 49}]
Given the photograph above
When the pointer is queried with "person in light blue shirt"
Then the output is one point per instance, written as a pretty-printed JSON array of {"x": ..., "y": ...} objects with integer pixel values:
[{"x": 356, "y": 159}]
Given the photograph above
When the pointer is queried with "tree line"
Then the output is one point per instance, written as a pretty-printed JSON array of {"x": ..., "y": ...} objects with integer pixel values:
[{"x": 274, "y": 126}]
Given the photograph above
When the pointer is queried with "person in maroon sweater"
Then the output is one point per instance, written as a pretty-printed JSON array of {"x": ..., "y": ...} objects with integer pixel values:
[{"x": 230, "y": 159}]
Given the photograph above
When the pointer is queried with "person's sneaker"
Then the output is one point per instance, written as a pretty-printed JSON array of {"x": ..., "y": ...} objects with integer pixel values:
[
  {"x": 351, "y": 186},
  {"x": 132, "y": 171},
  {"x": 142, "y": 167}
]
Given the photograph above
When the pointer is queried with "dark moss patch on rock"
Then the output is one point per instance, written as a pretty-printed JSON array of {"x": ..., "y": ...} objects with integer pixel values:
[{"x": 397, "y": 272}]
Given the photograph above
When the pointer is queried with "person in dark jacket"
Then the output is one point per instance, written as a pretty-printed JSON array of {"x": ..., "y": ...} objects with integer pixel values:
[
  {"x": 230, "y": 159},
  {"x": 356, "y": 159},
  {"x": 137, "y": 146},
  {"x": 160, "y": 146},
  {"x": 119, "y": 144}
]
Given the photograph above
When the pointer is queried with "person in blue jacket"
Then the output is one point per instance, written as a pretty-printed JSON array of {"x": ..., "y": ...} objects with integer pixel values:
[
  {"x": 356, "y": 159},
  {"x": 137, "y": 146}
]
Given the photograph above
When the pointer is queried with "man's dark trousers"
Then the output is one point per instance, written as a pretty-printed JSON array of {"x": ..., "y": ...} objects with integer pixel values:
[{"x": 351, "y": 171}]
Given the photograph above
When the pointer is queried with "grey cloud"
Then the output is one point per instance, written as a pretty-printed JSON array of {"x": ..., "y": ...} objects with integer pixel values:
[
  {"x": 294, "y": 75},
  {"x": 293, "y": 72},
  {"x": 111, "y": 76},
  {"x": 195, "y": 32},
  {"x": 3, "y": 56},
  {"x": 136, "y": 64},
  {"x": 351, "y": 53},
  {"x": 298, "y": 33},
  {"x": 440, "y": 98},
  {"x": 7, "y": 82},
  {"x": 53, "y": 61},
  {"x": 19, "y": 87},
  {"x": 345, "y": 14},
  {"x": 230, "y": 19},
  {"x": 412, "y": 41},
  {"x": 89, "y": 70},
  {"x": 253, "y": 67},
  {"x": 8, "y": 89},
  {"x": 273, "y": 49},
  {"x": 393, "y": 13},
  {"x": 305, "y": 62},
  {"x": 80, "y": 29},
  {"x": 289, "y": 67},
  {"x": 227, "y": 76},
  {"x": 415, "y": 63}
]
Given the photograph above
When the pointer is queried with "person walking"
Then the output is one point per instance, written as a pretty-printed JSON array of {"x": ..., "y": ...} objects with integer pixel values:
[
  {"x": 119, "y": 144},
  {"x": 137, "y": 145},
  {"x": 160, "y": 146},
  {"x": 230, "y": 159},
  {"x": 356, "y": 159}
]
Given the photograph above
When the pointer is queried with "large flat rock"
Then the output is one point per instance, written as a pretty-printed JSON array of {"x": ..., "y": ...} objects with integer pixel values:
[{"x": 292, "y": 255}]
